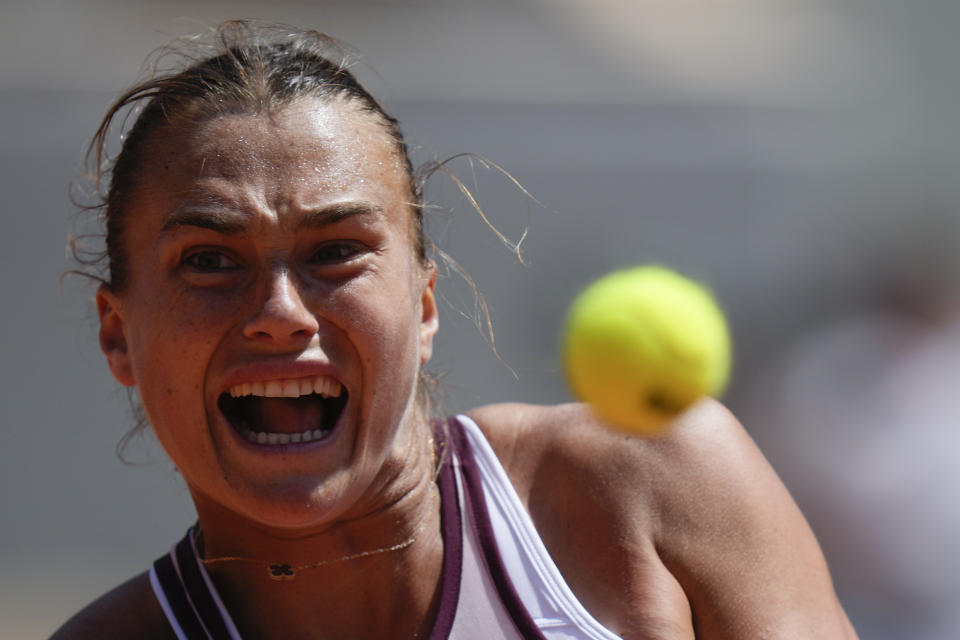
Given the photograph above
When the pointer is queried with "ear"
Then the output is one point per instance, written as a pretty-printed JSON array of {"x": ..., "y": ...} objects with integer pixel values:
[
  {"x": 429, "y": 319},
  {"x": 113, "y": 338}
]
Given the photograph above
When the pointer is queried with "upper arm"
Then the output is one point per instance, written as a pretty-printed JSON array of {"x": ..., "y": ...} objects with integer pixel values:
[
  {"x": 737, "y": 543},
  {"x": 687, "y": 533}
]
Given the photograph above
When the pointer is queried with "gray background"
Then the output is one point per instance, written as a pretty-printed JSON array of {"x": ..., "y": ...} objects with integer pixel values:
[{"x": 799, "y": 156}]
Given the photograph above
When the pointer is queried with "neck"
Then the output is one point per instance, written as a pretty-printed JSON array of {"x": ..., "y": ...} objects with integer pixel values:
[{"x": 374, "y": 574}]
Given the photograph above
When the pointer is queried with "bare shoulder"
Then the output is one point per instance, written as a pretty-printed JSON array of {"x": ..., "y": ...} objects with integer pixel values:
[
  {"x": 128, "y": 611},
  {"x": 569, "y": 442},
  {"x": 590, "y": 494},
  {"x": 689, "y": 530}
]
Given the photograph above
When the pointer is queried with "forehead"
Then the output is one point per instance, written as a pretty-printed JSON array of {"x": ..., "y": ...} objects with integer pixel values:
[{"x": 309, "y": 149}]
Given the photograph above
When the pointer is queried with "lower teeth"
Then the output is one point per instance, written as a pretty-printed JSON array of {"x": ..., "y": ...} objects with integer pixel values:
[{"x": 262, "y": 437}]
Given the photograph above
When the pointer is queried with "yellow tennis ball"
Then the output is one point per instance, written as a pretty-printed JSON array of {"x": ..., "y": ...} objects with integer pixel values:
[{"x": 643, "y": 344}]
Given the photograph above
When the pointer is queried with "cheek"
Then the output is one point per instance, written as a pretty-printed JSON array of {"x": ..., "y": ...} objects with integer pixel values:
[
  {"x": 173, "y": 347},
  {"x": 173, "y": 338},
  {"x": 383, "y": 319}
]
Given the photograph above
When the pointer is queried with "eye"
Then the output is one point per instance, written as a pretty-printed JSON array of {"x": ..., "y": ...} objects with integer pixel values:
[
  {"x": 210, "y": 261},
  {"x": 335, "y": 252}
]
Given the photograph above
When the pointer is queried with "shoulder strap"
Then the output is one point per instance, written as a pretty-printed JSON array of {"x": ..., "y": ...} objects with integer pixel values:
[
  {"x": 483, "y": 530},
  {"x": 451, "y": 526},
  {"x": 186, "y": 595}
]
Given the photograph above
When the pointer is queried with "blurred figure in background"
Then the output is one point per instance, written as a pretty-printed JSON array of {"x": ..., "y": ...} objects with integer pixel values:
[{"x": 862, "y": 422}]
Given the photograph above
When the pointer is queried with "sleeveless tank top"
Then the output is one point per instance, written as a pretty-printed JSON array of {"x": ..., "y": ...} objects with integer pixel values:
[{"x": 498, "y": 580}]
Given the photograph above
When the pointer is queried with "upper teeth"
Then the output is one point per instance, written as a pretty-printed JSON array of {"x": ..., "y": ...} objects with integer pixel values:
[{"x": 290, "y": 388}]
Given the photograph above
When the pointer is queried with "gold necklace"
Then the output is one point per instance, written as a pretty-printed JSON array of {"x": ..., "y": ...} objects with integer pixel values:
[{"x": 286, "y": 571}]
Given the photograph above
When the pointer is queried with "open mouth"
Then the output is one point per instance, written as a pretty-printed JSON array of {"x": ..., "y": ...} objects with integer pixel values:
[{"x": 280, "y": 412}]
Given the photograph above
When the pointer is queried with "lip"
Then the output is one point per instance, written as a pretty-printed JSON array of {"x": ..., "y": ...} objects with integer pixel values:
[
  {"x": 280, "y": 370},
  {"x": 279, "y": 449}
]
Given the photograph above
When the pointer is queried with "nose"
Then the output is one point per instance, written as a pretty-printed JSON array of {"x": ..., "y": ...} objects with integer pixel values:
[{"x": 282, "y": 318}]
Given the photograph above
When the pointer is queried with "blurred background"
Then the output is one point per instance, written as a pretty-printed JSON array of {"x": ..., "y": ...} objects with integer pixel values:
[{"x": 798, "y": 156}]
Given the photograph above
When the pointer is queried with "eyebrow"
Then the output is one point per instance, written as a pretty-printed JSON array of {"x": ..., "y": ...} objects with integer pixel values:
[
  {"x": 339, "y": 211},
  {"x": 231, "y": 222},
  {"x": 219, "y": 220}
]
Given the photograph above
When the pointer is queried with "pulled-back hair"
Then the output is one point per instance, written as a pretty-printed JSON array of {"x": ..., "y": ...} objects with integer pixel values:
[
  {"x": 245, "y": 69},
  {"x": 250, "y": 69}
]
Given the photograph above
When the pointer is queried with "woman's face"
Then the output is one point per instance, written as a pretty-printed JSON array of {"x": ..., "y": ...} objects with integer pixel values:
[{"x": 272, "y": 254}]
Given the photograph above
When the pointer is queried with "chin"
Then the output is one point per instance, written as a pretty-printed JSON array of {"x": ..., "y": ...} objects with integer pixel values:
[{"x": 293, "y": 504}]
